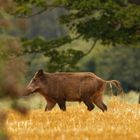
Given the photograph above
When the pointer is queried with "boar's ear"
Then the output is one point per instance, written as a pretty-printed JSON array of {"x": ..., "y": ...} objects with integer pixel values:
[{"x": 40, "y": 72}]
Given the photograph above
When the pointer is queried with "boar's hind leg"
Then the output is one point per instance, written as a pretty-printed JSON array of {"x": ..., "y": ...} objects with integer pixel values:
[
  {"x": 101, "y": 105},
  {"x": 105, "y": 107},
  {"x": 50, "y": 105},
  {"x": 89, "y": 104},
  {"x": 62, "y": 104}
]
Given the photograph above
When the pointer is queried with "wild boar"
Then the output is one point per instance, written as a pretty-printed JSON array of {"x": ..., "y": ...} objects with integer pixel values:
[{"x": 65, "y": 86}]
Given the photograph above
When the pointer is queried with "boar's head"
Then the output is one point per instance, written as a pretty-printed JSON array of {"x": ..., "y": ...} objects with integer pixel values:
[{"x": 36, "y": 82}]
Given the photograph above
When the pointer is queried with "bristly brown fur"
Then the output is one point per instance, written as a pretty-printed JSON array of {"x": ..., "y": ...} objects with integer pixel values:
[{"x": 66, "y": 86}]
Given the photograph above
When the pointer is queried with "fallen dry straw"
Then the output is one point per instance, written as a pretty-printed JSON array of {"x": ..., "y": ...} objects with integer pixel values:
[{"x": 120, "y": 122}]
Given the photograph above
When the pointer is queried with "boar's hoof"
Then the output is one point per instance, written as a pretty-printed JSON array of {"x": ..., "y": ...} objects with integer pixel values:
[
  {"x": 105, "y": 107},
  {"x": 89, "y": 104},
  {"x": 90, "y": 108},
  {"x": 62, "y": 105},
  {"x": 64, "y": 109}
]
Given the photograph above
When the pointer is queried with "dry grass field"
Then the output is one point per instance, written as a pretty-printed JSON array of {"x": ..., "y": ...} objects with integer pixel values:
[{"x": 120, "y": 122}]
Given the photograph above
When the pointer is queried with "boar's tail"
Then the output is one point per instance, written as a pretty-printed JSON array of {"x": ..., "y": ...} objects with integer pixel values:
[{"x": 115, "y": 83}]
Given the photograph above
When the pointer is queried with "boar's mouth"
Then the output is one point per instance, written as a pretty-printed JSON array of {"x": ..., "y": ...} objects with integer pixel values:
[
  {"x": 33, "y": 91},
  {"x": 29, "y": 92}
]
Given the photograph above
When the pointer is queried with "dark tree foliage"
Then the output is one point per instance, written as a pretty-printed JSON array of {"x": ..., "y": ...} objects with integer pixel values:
[
  {"x": 121, "y": 64},
  {"x": 113, "y": 22}
]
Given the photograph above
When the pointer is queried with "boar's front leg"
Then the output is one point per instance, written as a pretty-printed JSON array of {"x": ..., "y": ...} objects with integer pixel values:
[
  {"x": 50, "y": 105},
  {"x": 62, "y": 104}
]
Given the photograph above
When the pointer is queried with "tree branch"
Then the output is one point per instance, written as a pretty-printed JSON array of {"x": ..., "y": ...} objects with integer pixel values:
[
  {"x": 48, "y": 7},
  {"x": 89, "y": 51},
  {"x": 137, "y": 2},
  {"x": 33, "y": 14}
]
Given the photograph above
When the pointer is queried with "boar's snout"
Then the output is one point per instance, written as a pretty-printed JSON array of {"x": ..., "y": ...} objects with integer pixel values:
[
  {"x": 29, "y": 90},
  {"x": 32, "y": 87}
]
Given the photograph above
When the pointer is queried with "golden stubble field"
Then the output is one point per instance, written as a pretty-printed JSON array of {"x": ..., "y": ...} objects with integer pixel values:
[{"x": 120, "y": 122}]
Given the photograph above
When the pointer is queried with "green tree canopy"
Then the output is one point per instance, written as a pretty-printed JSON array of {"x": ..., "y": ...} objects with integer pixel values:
[
  {"x": 110, "y": 22},
  {"x": 113, "y": 22},
  {"x": 122, "y": 64}
]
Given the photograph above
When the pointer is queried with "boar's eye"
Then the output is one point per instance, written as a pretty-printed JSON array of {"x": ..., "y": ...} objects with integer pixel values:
[{"x": 35, "y": 80}]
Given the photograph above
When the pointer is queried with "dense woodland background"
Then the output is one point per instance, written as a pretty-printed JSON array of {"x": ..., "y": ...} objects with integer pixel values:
[{"x": 95, "y": 35}]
